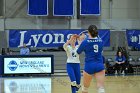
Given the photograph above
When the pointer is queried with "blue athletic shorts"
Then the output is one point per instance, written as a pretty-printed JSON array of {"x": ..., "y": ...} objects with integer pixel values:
[{"x": 93, "y": 67}]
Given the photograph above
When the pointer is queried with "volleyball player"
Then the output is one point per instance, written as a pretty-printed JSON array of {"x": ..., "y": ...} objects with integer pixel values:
[
  {"x": 93, "y": 47},
  {"x": 73, "y": 63}
]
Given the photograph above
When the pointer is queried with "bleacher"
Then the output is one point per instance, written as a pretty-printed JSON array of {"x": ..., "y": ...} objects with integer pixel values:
[{"x": 60, "y": 58}]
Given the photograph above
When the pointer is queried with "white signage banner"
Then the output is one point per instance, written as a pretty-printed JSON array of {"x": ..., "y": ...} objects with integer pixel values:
[{"x": 27, "y": 65}]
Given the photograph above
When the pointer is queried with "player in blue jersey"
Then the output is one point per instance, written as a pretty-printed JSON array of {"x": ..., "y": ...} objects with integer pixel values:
[
  {"x": 93, "y": 47},
  {"x": 73, "y": 63}
]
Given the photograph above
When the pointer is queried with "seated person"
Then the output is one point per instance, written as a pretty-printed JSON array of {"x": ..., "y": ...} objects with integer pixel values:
[
  {"x": 120, "y": 63},
  {"x": 24, "y": 50}
]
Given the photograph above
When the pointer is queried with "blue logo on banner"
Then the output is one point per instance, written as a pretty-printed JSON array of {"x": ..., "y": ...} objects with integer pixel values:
[
  {"x": 12, "y": 65},
  {"x": 133, "y": 38}
]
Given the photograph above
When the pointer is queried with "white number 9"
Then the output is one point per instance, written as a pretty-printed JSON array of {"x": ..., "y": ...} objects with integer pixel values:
[{"x": 95, "y": 48}]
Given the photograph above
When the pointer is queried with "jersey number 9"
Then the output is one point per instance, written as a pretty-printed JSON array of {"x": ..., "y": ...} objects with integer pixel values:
[{"x": 95, "y": 48}]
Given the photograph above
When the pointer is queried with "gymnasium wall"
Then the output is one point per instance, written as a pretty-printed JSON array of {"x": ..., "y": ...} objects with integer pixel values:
[
  {"x": 139, "y": 9},
  {"x": 124, "y": 14},
  {"x": 118, "y": 15},
  {"x": 1, "y": 24},
  {"x": 1, "y": 8}
]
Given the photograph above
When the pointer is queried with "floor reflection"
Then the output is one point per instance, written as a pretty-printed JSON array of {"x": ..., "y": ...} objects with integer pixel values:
[
  {"x": 61, "y": 84},
  {"x": 31, "y": 85}
]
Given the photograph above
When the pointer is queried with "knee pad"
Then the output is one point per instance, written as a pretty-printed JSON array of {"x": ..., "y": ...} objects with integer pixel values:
[
  {"x": 101, "y": 90},
  {"x": 84, "y": 89},
  {"x": 73, "y": 84}
]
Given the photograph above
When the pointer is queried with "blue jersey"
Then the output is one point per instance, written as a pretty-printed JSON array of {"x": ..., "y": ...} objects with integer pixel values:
[
  {"x": 93, "y": 49},
  {"x": 103, "y": 59},
  {"x": 120, "y": 59}
]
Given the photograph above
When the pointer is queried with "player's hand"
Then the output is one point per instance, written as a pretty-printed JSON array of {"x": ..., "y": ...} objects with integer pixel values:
[
  {"x": 76, "y": 36},
  {"x": 118, "y": 62},
  {"x": 68, "y": 42}
]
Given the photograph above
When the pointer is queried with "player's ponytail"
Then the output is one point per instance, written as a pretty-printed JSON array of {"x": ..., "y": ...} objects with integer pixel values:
[{"x": 92, "y": 29}]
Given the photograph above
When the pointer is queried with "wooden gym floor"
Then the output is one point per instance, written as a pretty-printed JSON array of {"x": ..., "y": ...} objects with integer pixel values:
[{"x": 61, "y": 84}]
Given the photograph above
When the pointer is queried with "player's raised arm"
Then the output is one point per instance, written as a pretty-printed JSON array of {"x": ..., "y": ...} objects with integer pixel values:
[
  {"x": 81, "y": 38},
  {"x": 81, "y": 47},
  {"x": 66, "y": 44}
]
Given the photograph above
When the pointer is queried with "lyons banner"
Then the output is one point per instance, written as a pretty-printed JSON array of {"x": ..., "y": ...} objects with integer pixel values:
[
  {"x": 48, "y": 38},
  {"x": 133, "y": 38}
]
